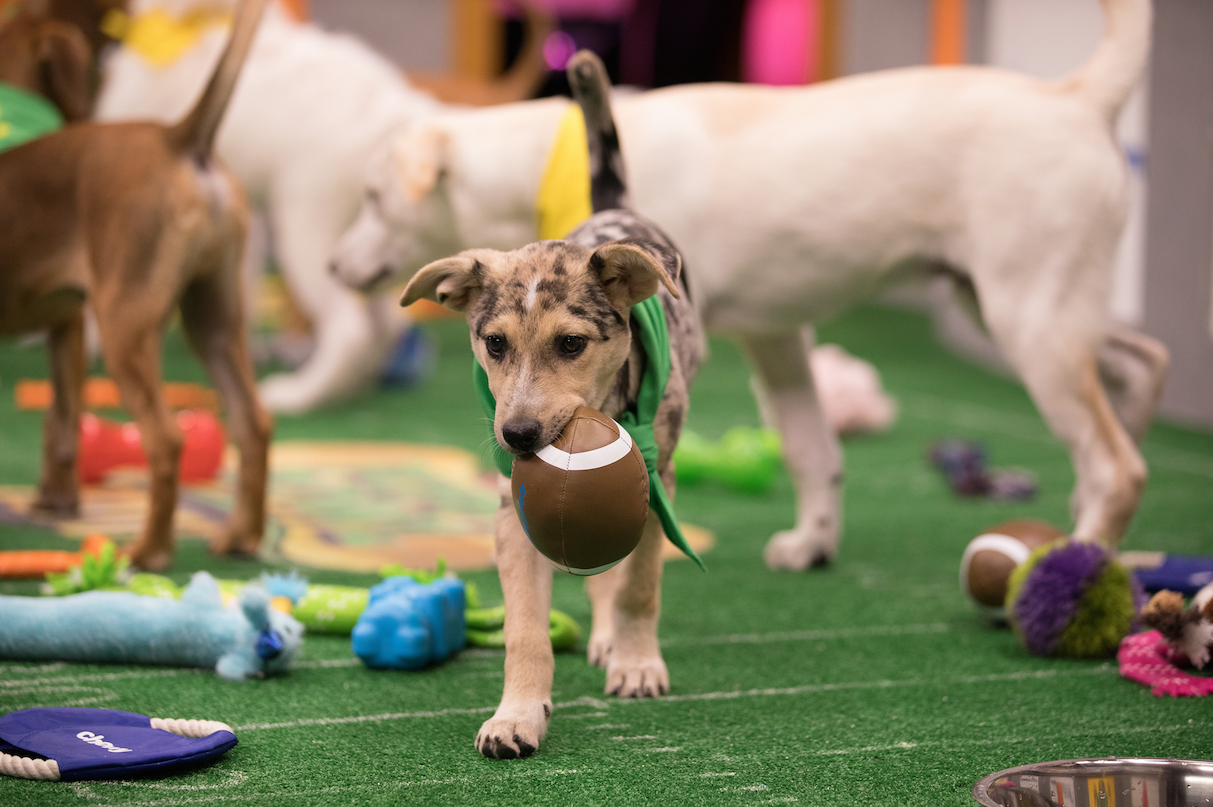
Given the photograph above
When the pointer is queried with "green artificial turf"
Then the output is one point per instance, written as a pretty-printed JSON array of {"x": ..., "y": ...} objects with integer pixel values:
[{"x": 869, "y": 682}]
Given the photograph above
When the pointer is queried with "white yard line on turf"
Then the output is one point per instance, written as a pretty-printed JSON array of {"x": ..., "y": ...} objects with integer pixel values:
[
  {"x": 809, "y": 635},
  {"x": 804, "y": 689}
]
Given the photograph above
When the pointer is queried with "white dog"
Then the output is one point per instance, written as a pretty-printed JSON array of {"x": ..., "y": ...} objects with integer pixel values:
[
  {"x": 311, "y": 109},
  {"x": 790, "y": 204}
]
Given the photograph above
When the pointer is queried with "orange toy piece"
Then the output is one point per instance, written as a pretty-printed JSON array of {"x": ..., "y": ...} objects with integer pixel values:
[
  {"x": 106, "y": 445},
  {"x": 102, "y": 393},
  {"x": 37, "y": 562}
]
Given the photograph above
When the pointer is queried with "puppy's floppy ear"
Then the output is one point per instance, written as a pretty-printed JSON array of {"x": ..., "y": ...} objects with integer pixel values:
[
  {"x": 452, "y": 282},
  {"x": 631, "y": 268},
  {"x": 419, "y": 157},
  {"x": 63, "y": 63}
]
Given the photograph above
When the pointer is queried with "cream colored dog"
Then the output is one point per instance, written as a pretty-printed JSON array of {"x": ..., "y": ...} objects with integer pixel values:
[{"x": 790, "y": 204}]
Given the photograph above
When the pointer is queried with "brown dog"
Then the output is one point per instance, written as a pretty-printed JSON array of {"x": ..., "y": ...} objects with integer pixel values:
[{"x": 137, "y": 219}]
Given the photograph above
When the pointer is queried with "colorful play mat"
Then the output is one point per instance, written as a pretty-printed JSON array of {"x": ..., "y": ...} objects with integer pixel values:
[{"x": 353, "y": 506}]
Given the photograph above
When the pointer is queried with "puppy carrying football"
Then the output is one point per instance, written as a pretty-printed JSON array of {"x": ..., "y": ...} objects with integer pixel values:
[{"x": 600, "y": 320}]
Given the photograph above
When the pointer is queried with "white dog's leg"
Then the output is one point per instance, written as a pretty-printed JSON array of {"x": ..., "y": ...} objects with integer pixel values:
[
  {"x": 1133, "y": 368},
  {"x": 521, "y": 720},
  {"x": 810, "y": 449},
  {"x": 635, "y": 668},
  {"x": 351, "y": 346},
  {"x": 1054, "y": 353}
]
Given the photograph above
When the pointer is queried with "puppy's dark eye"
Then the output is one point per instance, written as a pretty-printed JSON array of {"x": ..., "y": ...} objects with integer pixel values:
[
  {"x": 572, "y": 345},
  {"x": 495, "y": 345}
]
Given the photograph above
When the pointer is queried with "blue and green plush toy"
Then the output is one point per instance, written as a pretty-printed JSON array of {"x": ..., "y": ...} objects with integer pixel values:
[{"x": 246, "y": 641}]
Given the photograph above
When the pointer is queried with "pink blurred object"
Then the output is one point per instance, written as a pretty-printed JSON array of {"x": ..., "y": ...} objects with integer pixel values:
[
  {"x": 850, "y": 392},
  {"x": 558, "y": 49},
  {"x": 1148, "y": 659},
  {"x": 571, "y": 9},
  {"x": 779, "y": 42},
  {"x": 106, "y": 445}
]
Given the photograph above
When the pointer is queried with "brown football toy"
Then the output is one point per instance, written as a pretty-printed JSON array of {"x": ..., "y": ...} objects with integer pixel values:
[
  {"x": 990, "y": 558},
  {"x": 584, "y": 499}
]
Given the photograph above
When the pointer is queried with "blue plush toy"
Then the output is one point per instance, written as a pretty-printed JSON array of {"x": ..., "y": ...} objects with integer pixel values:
[
  {"x": 117, "y": 626},
  {"x": 407, "y": 625}
]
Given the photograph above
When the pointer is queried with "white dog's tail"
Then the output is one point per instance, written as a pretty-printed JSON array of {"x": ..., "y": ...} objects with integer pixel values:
[
  {"x": 1112, "y": 72},
  {"x": 195, "y": 134},
  {"x": 592, "y": 90}
]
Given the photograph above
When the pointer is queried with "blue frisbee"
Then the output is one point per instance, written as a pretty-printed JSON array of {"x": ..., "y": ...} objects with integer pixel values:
[{"x": 73, "y": 743}]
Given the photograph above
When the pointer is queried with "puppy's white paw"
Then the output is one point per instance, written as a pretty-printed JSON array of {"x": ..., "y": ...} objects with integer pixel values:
[
  {"x": 637, "y": 677},
  {"x": 796, "y": 550},
  {"x": 598, "y": 650},
  {"x": 514, "y": 731}
]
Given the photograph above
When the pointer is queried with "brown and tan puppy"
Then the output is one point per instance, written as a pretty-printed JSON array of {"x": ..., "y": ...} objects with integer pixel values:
[
  {"x": 551, "y": 325},
  {"x": 136, "y": 220}
]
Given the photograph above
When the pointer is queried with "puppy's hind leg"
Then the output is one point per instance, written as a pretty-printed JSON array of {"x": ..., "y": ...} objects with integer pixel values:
[
  {"x": 521, "y": 720},
  {"x": 1133, "y": 368},
  {"x": 58, "y": 490},
  {"x": 600, "y": 588},
  {"x": 211, "y": 311},
  {"x": 810, "y": 448}
]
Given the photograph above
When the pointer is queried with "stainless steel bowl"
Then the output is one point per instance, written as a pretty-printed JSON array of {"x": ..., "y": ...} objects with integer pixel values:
[{"x": 1100, "y": 783}]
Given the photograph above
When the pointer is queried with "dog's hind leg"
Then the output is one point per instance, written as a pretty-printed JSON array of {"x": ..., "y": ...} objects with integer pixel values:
[
  {"x": 1053, "y": 345},
  {"x": 211, "y": 311},
  {"x": 810, "y": 448},
  {"x": 600, "y": 588},
  {"x": 1133, "y": 368},
  {"x": 131, "y": 343},
  {"x": 58, "y": 490},
  {"x": 521, "y": 720}
]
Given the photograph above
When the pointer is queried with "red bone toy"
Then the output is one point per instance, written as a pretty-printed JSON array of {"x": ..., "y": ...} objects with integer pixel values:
[{"x": 105, "y": 445}]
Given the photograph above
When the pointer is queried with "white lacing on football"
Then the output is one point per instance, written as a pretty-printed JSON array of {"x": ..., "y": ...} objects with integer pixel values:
[
  {"x": 29, "y": 768},
  {"x": 588, "y": 460},
  {"x": 190, "y": 728}
]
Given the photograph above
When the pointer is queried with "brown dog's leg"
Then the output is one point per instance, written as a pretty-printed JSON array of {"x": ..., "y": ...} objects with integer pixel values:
[
  {"x": 212, "y": 314},
  {"x": 521, "y": 720},
  {"x": 130, "y": 339},
  {"x": 59, "y": 489}
]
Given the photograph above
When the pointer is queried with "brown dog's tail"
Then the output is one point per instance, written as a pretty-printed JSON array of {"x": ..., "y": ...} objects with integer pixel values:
[
  {"x": 195, "y": 134},
  {"x": 592, "y": 90},
  {"x": 1119, "y": 60}
]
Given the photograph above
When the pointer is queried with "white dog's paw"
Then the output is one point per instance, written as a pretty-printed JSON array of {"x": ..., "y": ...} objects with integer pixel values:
[
  {"x": 637, "y": 677},
  {"x": 796, "y": 551},
  {"x": 285, "y": 394},
  {"x": 514, "y": 732},
  {"x": 598, "y": 650}
]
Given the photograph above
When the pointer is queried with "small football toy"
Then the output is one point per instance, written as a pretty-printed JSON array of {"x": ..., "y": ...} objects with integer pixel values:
[
  {"x": 584, "y": 499},
  {"x": 990, "y": 558}
]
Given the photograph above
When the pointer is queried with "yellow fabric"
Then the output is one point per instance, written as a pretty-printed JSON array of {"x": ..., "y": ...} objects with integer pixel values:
[
  {"x": 563, "y": 201},
  {"x": 159, "y": 37}
]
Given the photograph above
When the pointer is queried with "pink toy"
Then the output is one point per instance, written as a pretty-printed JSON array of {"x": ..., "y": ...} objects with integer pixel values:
[
  {"x": 780, "y": 41},
  {"x": 106, "y": 445},
  {"x": 1148, "y": 659}
]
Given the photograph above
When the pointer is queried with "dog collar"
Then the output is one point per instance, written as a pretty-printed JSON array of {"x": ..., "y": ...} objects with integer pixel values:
[
  {"x": 655, "y": 340},
  {"x": 25, "y": 116}
]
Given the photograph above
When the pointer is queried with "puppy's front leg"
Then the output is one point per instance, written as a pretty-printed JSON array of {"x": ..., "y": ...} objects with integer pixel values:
[
  {"x": 521, "y": 720},
  {"x": 635, "y": 668}
]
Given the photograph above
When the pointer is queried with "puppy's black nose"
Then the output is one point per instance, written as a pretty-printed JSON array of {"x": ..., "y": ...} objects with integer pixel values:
[{"x": 521, "y": 434}]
